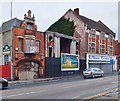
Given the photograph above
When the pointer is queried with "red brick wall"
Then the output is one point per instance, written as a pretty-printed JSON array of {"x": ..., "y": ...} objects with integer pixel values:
[
  {"x": 97, "y": 44},
  {"x": 106, "y": 46},
  {"x": 84, "y": 45},
  {"x": 19, "y": 56},
  {"x": 116, "y": 47}
]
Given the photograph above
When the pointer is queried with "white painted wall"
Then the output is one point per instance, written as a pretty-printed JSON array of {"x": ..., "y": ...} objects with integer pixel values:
[
  {"x": 73, "y": 47},
  {"x": 57, "y": 46}
]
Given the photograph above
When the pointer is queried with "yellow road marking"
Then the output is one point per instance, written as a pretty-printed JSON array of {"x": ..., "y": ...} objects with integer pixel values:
[{"x": 101, "y": 94}]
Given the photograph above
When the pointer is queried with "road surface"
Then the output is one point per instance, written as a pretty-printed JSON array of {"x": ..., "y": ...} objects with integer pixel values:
[{"x": 75, "y": 88}]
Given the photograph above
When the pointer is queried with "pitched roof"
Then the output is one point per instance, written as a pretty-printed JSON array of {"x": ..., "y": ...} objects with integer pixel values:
[
  {"x": 8, "y": 25},
  {"x": 98, "y": 25}
]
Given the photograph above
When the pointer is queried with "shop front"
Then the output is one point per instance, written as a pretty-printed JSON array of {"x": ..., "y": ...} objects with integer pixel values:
[{"x": 105, "y": 62}]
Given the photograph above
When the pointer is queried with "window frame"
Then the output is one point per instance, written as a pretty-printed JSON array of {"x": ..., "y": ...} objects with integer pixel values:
[
  {"x": 22, "y": 44},
  {"x": 29, "y": 26},
  {"x": 37, "y": 47},
  {"x": 30, "y": 39},
  {"x": 6, "y": 62}
]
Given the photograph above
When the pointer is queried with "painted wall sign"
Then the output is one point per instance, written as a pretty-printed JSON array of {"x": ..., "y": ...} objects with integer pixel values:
[{"x": 6, "y": 48}]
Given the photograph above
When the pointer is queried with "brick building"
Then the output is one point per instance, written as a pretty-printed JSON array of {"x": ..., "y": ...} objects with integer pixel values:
[
  {"x": 96, "y": 41},
  {"x": 117, "y": 53},
  {"x": 25, "y": 49},
  {"x": 25, "y": 44}
]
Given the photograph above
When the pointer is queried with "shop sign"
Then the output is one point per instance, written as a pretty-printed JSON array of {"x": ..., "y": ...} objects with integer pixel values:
[
  {"x": 105, "y": 58},
  {"x": 91, "y": 57},
  {"x": 99, "y": 58}
]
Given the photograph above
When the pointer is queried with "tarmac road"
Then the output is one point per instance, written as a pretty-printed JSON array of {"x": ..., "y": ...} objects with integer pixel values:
[{"x": 74, "y": 88}]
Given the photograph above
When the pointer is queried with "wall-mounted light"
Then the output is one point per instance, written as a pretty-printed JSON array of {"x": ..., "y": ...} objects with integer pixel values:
[{"x": 16, "y": 49}]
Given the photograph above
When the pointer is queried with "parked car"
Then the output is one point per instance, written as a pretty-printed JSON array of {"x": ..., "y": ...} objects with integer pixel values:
[
  {"x": 3, "y": 83},
  {"x": 93, "y": 72}
]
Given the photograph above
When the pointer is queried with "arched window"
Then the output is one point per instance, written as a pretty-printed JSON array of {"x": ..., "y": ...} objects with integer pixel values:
[
  {"x": 50, "y": 49},
  {"x": 50, "y": 38}
]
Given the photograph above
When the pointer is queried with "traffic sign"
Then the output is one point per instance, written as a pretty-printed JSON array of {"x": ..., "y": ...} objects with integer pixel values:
[{"x": 112, "y": 61}]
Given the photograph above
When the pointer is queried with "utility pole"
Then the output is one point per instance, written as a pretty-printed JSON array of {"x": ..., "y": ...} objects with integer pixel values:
[
  {"x": 12, "y": 54},
  {"x": 11, "y": 9}
]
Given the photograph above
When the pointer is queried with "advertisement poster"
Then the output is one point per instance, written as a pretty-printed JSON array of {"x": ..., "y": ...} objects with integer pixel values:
[{"x": 69, "y": 62}]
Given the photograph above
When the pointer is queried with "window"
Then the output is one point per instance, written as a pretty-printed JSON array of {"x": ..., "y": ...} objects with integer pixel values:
[
  {"x": 102, "y": 36},
  {"x": 37, "y": 46},
  {"x": 92, "y": 33},
  {"x": 77, "y": 52},
  {"x": 29, "y": 26},
  {"x": 110, "y": 38},
  {"x": 20, "y": 44},
  {"x": 29, "y": 45},
  {"x": 102, "y": 49},
  {"x": 50, "y": 51},
  {"x": 6, "y": 59},
  {"x": 77, "y": 43},
  {"x": 110, "y": 50},
  {"x": 92, "y": 47},
  {"x": 50, "y": 38}
]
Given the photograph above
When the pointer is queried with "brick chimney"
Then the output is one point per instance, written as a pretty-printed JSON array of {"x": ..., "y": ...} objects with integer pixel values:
[{"x": 76, "y": 11}]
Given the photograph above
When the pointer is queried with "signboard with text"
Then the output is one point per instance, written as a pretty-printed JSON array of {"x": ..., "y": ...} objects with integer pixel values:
[{"x": 99, "y": 58}]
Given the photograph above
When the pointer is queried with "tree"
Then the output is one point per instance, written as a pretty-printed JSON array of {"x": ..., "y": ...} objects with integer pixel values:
[{"x": 63, "y": 26}]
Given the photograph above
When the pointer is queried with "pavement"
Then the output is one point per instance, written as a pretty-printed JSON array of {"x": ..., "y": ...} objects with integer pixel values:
[
  {"x": 113, "y": 94},
  {"x": 32, "y": 81},
  {"x": 42, "y": 80}
]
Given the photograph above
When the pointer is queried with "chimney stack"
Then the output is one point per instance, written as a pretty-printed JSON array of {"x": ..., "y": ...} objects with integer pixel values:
[{"x": 76, "y": 11}]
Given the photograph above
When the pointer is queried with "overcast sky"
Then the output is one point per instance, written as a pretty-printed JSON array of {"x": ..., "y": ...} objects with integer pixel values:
[{"x": 46, "y": 13}]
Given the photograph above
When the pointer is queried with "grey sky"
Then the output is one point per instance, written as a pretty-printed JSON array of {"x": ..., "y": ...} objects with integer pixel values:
[{"x": 46, "y": 13}]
